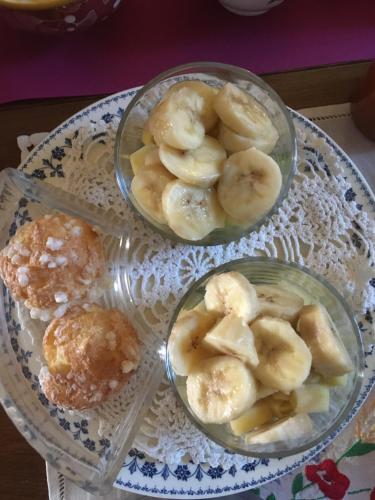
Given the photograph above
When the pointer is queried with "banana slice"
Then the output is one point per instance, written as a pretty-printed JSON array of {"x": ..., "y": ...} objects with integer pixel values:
[
  {"x": 339, "y": 381},
  {"x": 200, "y": 167},
  {"x": 147, "y": 138},
  {"x": 231, "y": 293},
  {"x": 233, "y": 142},
  {"x": 264, "y": 391},
  {"x": 208, "y": 115},
  {"x": 249, "y": 185},
  {"x": 329, "y": 355},
  {"x": 200, "y": 307},
  {"x": 258, "y": 415},
  {"x": 276, "y": 301},
  {"x": 280, "y": 404},
  {"x": 138, "y": 158},
  {"x": 241, "y": 113},
  {"x": 232, "y": 336},
  {"x": 176, "y": 120},
  {"x": 191, "y": 212},
  {"x": 147, "y": 187},
  {"x": 220, "y": 389},
  {"x": 289, "y": 428},
  {"x": 185, "y": 346},
  {"x": 284, "y": 358},
  {"x": 312, "y": 398}
]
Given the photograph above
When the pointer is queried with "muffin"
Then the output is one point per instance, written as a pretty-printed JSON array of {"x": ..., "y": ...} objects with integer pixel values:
[
  {"x": 91, "y": 353},
  {"x": 53, "y": 262}
]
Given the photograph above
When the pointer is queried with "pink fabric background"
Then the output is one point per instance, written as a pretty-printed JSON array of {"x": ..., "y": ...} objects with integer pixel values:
[{"x": 145, "y": 37}]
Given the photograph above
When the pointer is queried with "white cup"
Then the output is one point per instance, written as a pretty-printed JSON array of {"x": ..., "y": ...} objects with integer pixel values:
[{"x": 249, "y": 7}]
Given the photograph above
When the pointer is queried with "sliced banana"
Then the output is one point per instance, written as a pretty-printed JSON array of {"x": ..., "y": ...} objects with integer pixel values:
[
  {"x": 249, "y": 185},
  {"x": 277, "y": 301},
  {"x": 241, "y": 113},
  {"x": 312, "y": 398},
  {"x": 176, "y": 120},
  {"x": 329, "y": 355},
  {"x": 220, "y": 389},
  {"x": 280, "y": 404},
  {"x": 185, "y": 346},
  {"x": 233, "y": 142},
  {"x": 208, "y": 115},
  {"x": 138, "y": 158},
  {"x": 231, "y": 293},
  {"x": 200, "y": 167},
  {"x": 339, "y": 381},
  {"x": 284, "y": 358},
  {"x": 147, "y": 187},
  {"x": 259, "y": 414},
  {"x": 289, "y": 428},
  {"x": 191, "y": 212},
  {"x": 264, "y": 391},
  {"x": 147, "y": 137},
  {"x": 232, "y": 336}
]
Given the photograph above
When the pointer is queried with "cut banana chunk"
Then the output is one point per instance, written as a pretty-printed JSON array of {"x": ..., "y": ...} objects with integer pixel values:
[
  {"x": 185, "y": 346},
  {"x": 284, "y": 358},
  {"x": 258, "y": 415},
  {"x": 264, "y": 391},
  {"x": 232, "y": 336},
  {"x": 231, "y": 293},
  {"x": 147, "y": 138},
  {"x": 249, "y": 185},
  {"x": 176, "y": 120},
  {"x": 312, "y": 398},
  {"x": 242, "y": 113},
  {"x": 276, "y": 301},
  {"x": 147, "y": 187},
  {"x": 191, "y": 212},
  {"x": 280, "y": 404},
  {"x": 138, "y": 158},
  {"x": 208, "y": 115},
  {"x": 329, "y": 355},
  {"x": 233, "y": 142},
  {"x": 201, "y": 166},
  {"x": 286, "y": 429},
  {"x": 220, "y": 389},
  {"x": 339, "y": 381}
]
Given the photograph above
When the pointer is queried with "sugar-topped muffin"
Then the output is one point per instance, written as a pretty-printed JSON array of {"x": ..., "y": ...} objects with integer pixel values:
[
  {"x": 53, "y": 262},
  {"x": 91, "y": 353}
]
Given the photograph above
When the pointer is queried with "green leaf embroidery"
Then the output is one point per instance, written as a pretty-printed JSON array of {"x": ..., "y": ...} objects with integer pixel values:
[
  {"x": 271, "y": 497},
  {"x": 297, "y": 484},
  {"x": 359, "y": 449}
]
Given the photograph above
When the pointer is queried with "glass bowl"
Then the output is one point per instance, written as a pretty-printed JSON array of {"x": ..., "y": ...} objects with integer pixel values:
[
  {"x": 129, "y": 135},
  {"x": 313, "y": 289}
]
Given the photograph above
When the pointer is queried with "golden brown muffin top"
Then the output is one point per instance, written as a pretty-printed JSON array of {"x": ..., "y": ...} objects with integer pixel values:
[
  {"x": 52, "y": 261},
  {"x": 91, "y": 353}
]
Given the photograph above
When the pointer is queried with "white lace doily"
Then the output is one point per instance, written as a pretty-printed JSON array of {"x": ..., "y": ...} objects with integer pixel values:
[{"x": 320, "y": 225}]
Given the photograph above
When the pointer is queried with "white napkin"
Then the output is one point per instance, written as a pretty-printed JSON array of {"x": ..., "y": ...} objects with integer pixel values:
[{"x": 337, "y": 122}]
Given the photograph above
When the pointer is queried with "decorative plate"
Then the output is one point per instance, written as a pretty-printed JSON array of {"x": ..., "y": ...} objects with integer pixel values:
[{"x": 326, "y": 223}]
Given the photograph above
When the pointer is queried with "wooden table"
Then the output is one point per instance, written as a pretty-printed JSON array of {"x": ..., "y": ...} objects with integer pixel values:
[{"x": 22, "y": 471}]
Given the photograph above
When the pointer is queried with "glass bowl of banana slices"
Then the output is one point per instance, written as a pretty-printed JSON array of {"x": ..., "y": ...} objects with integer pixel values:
[
  {"x": 205, "y": 152},
  {"x": 265, "y": 357}
]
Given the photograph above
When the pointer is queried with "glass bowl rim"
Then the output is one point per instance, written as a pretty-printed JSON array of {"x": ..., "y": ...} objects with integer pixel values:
[
  {"x": 337, "y": 425},
  {"x": 195, "y": 67}
]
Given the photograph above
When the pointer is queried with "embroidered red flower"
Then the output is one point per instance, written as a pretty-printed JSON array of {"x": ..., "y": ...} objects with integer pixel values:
[{"x": 330, "y": 481}]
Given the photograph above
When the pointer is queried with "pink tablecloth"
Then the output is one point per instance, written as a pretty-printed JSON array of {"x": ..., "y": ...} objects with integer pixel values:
[{"x": 145, "y": 37}]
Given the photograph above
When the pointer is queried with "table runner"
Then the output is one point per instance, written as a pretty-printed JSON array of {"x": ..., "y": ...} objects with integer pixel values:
[
  {"x": 145, "y": 37},
  {"x": 354, "y": 449}
]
